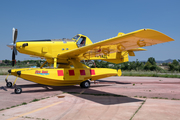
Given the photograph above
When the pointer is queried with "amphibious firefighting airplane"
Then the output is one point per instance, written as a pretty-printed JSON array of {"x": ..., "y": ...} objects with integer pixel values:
[{"x": 66, "y": 54}]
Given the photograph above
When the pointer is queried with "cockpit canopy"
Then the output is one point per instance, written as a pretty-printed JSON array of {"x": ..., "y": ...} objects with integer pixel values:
[{"x": 81, "y": 40}]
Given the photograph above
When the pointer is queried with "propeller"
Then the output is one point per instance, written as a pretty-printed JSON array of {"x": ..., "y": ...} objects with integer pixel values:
[
  {"x": 13, "y": 45},
  {"x": 14, "y": 52}
]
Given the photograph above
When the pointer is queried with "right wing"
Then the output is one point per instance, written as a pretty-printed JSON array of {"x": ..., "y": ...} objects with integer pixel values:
[{"x": 127, "y": 42}]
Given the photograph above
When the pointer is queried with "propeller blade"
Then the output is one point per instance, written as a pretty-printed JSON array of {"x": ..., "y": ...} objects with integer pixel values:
[
  {"x": 15, "y": 50},
  {"x": 13, "y": 45},
  {"x": 15, "y": 32},
  {"x": 15, "y": 36},
  {"x": 13, "y": 58}
]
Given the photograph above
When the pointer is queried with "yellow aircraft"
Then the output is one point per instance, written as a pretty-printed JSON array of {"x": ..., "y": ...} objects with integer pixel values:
[{"x": 66, "y": 54}]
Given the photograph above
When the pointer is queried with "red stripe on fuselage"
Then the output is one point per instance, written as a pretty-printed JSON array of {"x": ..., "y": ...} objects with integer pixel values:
[
  {"x": 71, "y": 72},
  {"x": 60, "y": 72},
  {"x": 92, "y": 72},
  {"x": 82, "y": 72}
]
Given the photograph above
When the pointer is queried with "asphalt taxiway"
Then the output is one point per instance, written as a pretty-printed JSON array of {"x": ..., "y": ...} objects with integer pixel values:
[{"x": 117, "y": 98}]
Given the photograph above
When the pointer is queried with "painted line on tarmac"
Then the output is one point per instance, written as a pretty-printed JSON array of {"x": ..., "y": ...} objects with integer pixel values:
[
  {"x": 34, "y": 111},
  {"x": 82, "y": 92}
]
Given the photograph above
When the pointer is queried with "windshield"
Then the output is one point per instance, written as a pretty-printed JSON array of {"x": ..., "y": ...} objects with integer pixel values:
[{"x": 76, "y": 37}]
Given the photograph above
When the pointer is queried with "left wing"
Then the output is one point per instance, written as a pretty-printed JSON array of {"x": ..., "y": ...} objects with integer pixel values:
[{"x": 125, "y": 42}]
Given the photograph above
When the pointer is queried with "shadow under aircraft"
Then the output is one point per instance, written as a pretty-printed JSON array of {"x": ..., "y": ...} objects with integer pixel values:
[{"x": 97, "y": 96}]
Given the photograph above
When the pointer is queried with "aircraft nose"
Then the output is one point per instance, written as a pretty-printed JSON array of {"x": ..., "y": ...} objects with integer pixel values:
[{"x": 11, "y": 45}]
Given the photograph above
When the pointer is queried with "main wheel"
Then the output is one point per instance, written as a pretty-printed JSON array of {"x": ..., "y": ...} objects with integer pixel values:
[
  {"x": 9, "y": 84},
  {"x": 85, "y": 84},
  {"x": 18, "y": 90}
]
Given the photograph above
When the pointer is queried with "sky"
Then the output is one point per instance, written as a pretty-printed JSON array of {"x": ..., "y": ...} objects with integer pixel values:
[{"x": 97, "y": 19}]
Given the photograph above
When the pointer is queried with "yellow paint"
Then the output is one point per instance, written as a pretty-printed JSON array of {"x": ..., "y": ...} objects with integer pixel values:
[
  {"x": 119, "y": 72},
  {"x": 76, "y": 63},
  {"x": 15, "y": 81},
  {"x": 55, "y": 62},
  {"x": 120, "y": 33},
  {"x": 44, "y": 50},
  {"x": 43, "y": 64},
  {"x": 119, "y": 43},
  {"x": 131, "y": 53},
  {"x": 7, "y": 76},
  {"x": 50, "y": 76},
  {"x": 34, "y": 111}
]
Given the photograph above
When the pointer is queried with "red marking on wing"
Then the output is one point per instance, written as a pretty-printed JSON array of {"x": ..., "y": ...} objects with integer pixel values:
[
  {"x": 92, "y": 72},
  {"x": 82, "y": 72},
  {"x": 60, "y": 72},
  {"x": 71, "y": 72}
]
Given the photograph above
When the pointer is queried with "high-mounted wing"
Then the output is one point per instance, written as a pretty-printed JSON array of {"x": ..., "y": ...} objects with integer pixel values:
[{"x": 125, "y": 42}]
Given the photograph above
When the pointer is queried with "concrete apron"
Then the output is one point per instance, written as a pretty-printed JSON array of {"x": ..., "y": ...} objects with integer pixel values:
[{"x": 70, "y": 107}]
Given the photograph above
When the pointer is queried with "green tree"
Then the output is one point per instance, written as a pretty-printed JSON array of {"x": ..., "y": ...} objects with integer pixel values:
[
  {"x": 173, "y": 67},
  {"x": 38, "y": 64},
  {"x": 165, "y": 64},
  {"x": 139, "y": 65},
  {"x": 152, "y": 61},
  {"x": 147, "y": 66},
  {"x": 175, "y": 62}
]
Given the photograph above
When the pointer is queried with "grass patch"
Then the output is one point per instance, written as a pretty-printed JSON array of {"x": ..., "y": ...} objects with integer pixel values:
[
  {"x": 24, "y": 103},
  {"x": 154, "y": 97},
  {"x": 4, "y": 70},
  {"x": 150, "y": 74},
  {"x": 2, "y": 109},
  {"x": 138, "y": 109},
  {"x": 158, "y": 98},
  {"x": 175, "y": 99},
  {"x": 13, "y": 106},
  {"x": 35, "y": 100}
]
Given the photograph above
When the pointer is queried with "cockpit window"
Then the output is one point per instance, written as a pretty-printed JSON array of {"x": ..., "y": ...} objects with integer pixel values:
[
  {"x": 81, "y": 42},
  {"x": 76, "y": 37}
]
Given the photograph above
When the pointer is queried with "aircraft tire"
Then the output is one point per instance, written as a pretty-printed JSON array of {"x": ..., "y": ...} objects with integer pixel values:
[
  {"x": 18, "y": 90},
  {"x": 85, "y": 84},
  {"x": 9, "y": 84}
]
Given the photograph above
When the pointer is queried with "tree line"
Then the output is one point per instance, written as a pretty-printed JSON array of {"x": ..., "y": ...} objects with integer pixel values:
[
  {"x": 150, "y": 65},
  {"x": 25, "y": 62}
]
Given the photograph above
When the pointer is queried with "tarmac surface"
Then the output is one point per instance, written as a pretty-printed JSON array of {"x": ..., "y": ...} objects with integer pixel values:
[{"x": 113, "y": 98}]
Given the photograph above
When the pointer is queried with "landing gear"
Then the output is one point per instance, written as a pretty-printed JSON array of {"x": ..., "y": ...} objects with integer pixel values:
[
  {"x": 85, "y": 84},
  {"x": 9, "y": 84},
  {"x": 18, "y": 90}
]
